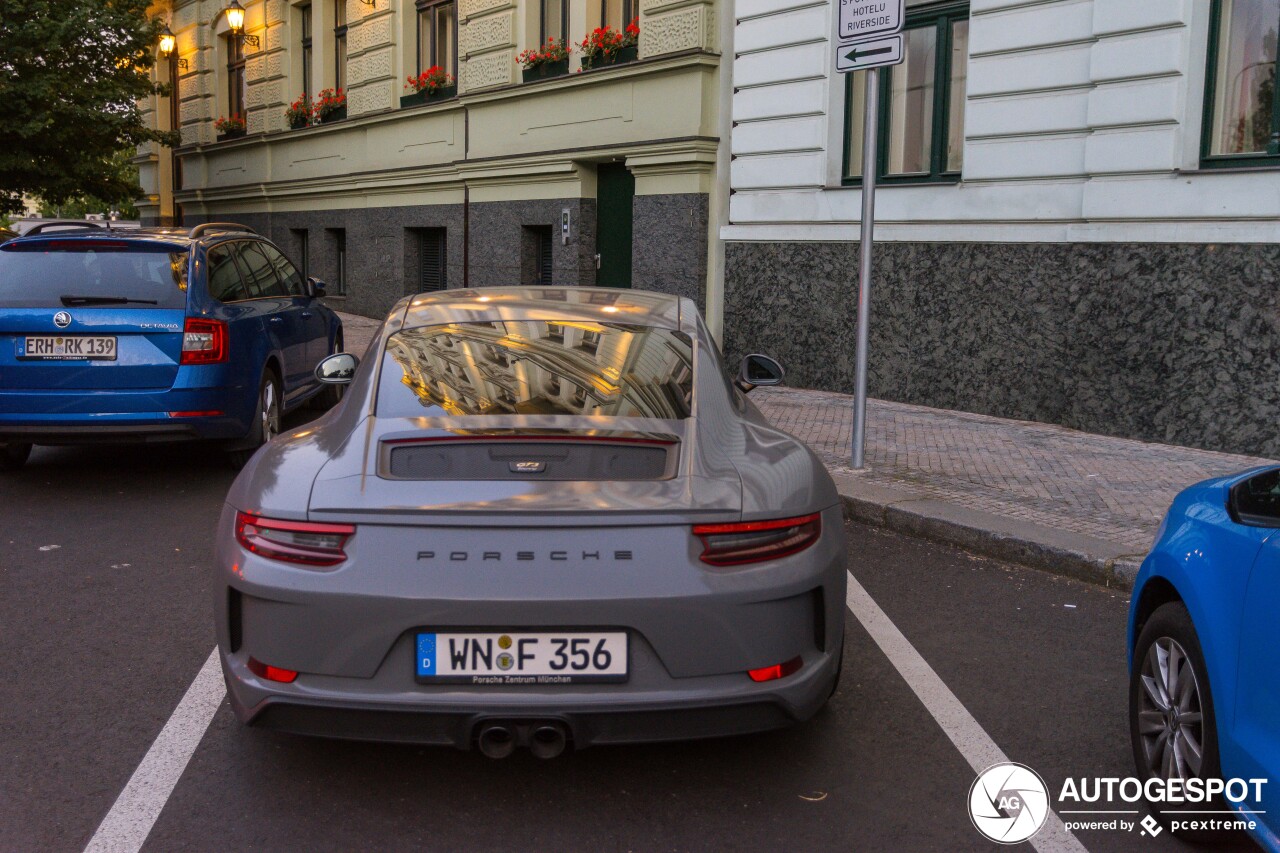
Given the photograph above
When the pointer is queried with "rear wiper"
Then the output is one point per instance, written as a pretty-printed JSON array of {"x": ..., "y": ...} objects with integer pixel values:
[{"x": 104, "y": 300}]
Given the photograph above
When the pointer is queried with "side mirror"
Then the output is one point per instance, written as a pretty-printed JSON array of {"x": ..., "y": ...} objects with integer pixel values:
[
  {"x": 759, "y": 370},
  {"x": 1255, "y": 502},
  {"x": 338, "y": 369},
  {"x": 315, "y": 287}
]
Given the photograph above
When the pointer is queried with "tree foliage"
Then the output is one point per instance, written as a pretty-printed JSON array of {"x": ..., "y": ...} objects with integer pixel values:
[{"x": 71, "y": 75}]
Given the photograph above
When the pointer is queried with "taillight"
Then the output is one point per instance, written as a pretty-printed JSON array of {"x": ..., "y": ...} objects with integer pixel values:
[
  {"x": 271, "y": 673},
  {"x": 302, "y": 542},
  {"x": 756, "y": 541},
  {"x": 204, "y": 342},
  {"x": 779, "y": 670}
]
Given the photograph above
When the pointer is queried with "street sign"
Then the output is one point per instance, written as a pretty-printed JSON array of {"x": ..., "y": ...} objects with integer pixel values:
[
  {"x": 872, "y": 53},
  {"x": 861, "y": 19}
]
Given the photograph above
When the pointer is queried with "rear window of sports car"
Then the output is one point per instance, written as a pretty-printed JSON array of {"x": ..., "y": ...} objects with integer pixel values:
[
  {"x": 69, "y": 273},
  {"x": 537, "y": 367}
]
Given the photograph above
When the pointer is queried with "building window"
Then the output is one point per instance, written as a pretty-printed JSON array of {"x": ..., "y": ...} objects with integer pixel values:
[
  {"x": 305, "y": 30},
  {"x": 1242, "y": 121},
  {"x": 536, "y": 243},
  {"x": 303, "y": 238},
  {"x": 340, "y": 44},
  {"x": 433, "y": 266},
  {"x": 616, "y": 13},
  {"x": 438, "y": 35},
  {"x": 338, "y": 242},
  {"x": 235, "y": 76},
  {"x": 554, "y": 21},
  {"x": 921, "y": 125}
]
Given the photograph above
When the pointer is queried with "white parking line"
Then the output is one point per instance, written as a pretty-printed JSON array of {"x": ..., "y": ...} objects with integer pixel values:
[
  {"x": 129, "y": 822},
  {"x": 975, "y": 745}
]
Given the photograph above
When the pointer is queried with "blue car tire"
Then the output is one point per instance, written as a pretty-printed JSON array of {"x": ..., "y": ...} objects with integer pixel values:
[
  {"x": 1171, "y": 718},
  {"x": 266, "y": 421}
]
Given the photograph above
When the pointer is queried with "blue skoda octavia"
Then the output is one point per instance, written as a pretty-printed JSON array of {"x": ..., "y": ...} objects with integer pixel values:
[
  {"x": 1204, "y": 655},
  {"x": 155, "y": 335}
]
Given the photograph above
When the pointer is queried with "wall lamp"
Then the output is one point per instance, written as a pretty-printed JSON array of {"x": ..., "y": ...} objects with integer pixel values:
[
  {"x": 235, "y": 22},
  {"x": 168, "y": 42}
]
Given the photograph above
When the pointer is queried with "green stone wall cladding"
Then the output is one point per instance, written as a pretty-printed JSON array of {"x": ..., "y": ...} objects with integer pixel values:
[{"x": 1158, "y": 342}]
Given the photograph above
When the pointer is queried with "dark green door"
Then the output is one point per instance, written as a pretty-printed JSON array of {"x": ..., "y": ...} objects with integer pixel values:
[{"x": 615, "y": 191}]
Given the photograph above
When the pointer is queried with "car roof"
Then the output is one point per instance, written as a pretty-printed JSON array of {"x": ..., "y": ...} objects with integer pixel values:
[
  {"x": 168, "y": 237},
  {"x": 588, "y": 304}
]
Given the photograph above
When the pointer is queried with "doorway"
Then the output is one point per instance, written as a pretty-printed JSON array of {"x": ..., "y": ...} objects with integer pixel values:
[{"x": 615, "y": 194}]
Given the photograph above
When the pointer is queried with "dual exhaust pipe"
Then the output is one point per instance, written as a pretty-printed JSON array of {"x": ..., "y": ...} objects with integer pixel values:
[{"x": 545, "y": 739}]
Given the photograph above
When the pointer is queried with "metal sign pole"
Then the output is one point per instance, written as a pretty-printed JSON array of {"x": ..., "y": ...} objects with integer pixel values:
[{"x": 869, "y": 164}]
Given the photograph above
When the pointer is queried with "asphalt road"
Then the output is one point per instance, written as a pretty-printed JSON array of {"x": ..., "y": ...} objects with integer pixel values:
[{"x": 104, "y": 599}]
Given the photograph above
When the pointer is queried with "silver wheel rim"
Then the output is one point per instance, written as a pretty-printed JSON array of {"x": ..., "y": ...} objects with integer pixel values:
[
  {"x": 1170, "y": 715},
  {"x": 337, "y": 389},
  {"x": 270, "y": 412}
]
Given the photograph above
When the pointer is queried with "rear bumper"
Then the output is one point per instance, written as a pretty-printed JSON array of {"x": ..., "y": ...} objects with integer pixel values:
[
  {"x": 693, "y": 634},
  {"x": 98, "y": 434},
  {"x": 97, "y": 417},
  {"x": 600, "y": 721}
]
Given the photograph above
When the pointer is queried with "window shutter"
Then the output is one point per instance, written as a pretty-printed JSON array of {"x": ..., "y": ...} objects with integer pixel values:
[
  {"x": 544, "y": 258},
  {"x": 433, "y": 268}
]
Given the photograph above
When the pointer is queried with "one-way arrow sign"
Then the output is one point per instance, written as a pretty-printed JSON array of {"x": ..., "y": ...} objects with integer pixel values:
[{"x": 872, "y": 53}]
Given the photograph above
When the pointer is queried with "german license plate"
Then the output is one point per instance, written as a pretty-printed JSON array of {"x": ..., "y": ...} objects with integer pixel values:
[
  {"x": 60, "y": 348},
  {"x": 552, "y": 657}
]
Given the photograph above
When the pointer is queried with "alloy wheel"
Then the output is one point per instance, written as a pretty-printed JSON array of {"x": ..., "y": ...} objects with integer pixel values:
[
  {"x": 270, "y": 411},
  {"x": 1170, "y": 714}
]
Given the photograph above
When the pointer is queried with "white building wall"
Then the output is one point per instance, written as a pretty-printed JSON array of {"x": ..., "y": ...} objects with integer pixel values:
[{"x": 1083, "y": 123}]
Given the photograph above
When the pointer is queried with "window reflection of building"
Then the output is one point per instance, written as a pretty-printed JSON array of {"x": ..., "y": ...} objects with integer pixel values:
[{"x": 537, "y": 367}]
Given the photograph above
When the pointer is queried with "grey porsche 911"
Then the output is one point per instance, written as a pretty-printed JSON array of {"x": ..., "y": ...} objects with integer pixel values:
[{"x": 540, "y": 517}]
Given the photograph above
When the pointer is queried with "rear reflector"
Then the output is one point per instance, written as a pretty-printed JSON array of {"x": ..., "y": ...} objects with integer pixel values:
[
  {"x": 772, "y": 673},
  {"x": 302, "y": 542},
  {"x": 756, "y": 541},
  {"x": 271, "y": 673},
  {"x": 212, "y": 413},
  {"x": 204, "y": 342}
]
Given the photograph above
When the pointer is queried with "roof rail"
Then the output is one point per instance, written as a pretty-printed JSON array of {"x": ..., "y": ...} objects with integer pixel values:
[
  {"x": 43, "y": 226},
  {"x": 218, "y": 226}
]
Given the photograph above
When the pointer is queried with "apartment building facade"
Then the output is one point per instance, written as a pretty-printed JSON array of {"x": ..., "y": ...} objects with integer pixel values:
[
  {"x": 1077, "y": 220},
  {"x": 600, "y": 176}
]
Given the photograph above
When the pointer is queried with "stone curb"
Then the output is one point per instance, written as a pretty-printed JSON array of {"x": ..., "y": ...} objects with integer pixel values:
[{"x": 1048, "y": 549}]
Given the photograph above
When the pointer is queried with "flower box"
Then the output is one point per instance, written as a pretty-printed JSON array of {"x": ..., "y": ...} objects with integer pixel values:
[
  {"x": 298, "y": 124},
  {"x": 545, "y": 70},
  {"x": 337, "y": 115},
  {"x": 231, "y": 134},
  {"x": 414, "y": 99},
  {"x": 621, "y": 56}
]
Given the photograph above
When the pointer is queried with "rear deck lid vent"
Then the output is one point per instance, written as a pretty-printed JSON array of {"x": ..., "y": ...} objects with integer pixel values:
[{"x": 528, "y": 458}]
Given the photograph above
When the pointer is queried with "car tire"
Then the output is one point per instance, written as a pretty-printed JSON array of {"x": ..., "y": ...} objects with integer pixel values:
[
  {"x": 1164, "y": 734},
  {"x": 266, "y": 421},
  {"x": 331, "y": 395},
  {"x": 13, "y": 456}
]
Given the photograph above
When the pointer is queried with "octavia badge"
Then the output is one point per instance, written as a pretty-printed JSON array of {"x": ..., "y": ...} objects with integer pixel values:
[
  {"x": 62, "y": 319},
  {"x": 527, "y": 467}
]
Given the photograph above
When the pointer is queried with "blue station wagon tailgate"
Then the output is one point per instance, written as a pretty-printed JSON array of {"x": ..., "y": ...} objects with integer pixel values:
[
  {"x": 122, "y": 348},
  {"x": 91, "y": 313}
]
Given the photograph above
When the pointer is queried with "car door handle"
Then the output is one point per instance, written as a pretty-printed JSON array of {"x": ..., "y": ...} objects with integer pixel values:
[
  {"x": 306, "y": 315},
  {"x": 275, "y": 319}
]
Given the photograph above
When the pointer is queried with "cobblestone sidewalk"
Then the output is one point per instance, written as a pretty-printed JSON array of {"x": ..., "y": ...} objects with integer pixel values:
[
  {"x": 1063, "y": 498},
  {"x": 1108, "y": 488}
]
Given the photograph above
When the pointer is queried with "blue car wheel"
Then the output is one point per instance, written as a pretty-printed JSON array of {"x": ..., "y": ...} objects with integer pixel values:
[
  {"x": 266, "y": 421},
  {"x": 1171, "y": 719}
]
